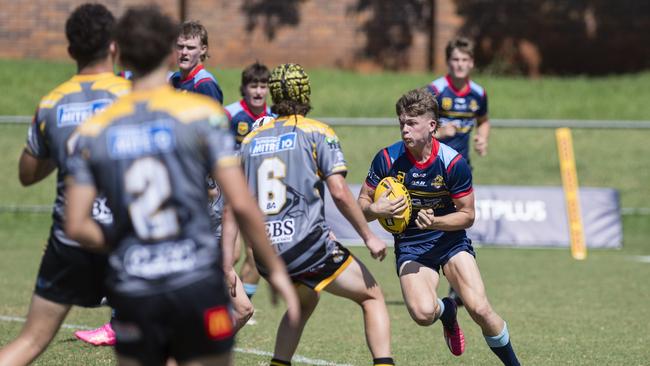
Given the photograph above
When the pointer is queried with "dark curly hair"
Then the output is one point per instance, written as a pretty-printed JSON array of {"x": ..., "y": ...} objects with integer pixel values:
[
  {"x": 290, "y": 107},
  {"x": 145, "y": 37},
  {"x": 88, "y": 30}
]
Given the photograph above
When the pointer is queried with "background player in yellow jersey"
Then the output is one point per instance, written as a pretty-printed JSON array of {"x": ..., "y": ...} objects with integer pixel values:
[
  {"x": 68, "y": 275},
  {"x": 150, "y": 153},
  {"x": 287, "y": 162}
]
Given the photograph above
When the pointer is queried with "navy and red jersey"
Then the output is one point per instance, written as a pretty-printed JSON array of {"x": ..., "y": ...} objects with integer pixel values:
[
  {"x": 198, "y": 81},
  {"x": 461, "y": 108},
  {"x": 433, "y": 184},
  {"x": 242, "y": 119}
]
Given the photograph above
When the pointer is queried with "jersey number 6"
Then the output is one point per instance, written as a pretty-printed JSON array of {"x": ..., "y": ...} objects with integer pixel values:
[{"x": 271, "y": 191}]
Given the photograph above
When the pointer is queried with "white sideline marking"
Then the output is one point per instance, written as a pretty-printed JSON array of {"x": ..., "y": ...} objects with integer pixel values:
[
  {"x": 641, "y": 258},
  {"x": 296, "y": 358},
  {"x": 22, "y": 320}
]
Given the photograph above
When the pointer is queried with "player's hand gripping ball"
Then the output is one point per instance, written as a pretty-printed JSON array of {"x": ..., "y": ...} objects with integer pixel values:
[{"x": 396, "y": 224}]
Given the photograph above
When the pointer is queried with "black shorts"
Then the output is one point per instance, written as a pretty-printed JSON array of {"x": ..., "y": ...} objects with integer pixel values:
[
  {"x": 319, "y": 276},
  {"x": 186, "y": 323},
  {"x": 71, "y": 275}
]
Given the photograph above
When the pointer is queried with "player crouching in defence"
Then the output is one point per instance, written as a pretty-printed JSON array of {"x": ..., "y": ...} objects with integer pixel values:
[{"x": 439, "y": 182}]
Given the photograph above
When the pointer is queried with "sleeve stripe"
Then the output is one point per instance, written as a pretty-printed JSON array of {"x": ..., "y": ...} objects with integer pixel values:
[
  {"x": 453, "y": 162},
  {"x": 201, "y": 82},
  {"x": 463, "y": 194},
  {"x": 387, "y": 157}
]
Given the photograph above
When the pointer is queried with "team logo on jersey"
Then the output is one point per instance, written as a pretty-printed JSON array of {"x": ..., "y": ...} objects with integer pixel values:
[
  {"x": 151, "y": 261},
  {"x": 133, "y": 141},
  {"x": 72, "y": 114},
  {"x": 446, "y": 103},
  {"x": 473, "y": 106},
  {"x": 400, "y": 177},
  {"x": 273, "y": 144},
  {"x": 333, "y": 142},
  {"x": 438, "y": 181},
  {"x": 280, "y": 231},
  {"x": 242, "y": 128},
  {"x": 101, "y": 213}
]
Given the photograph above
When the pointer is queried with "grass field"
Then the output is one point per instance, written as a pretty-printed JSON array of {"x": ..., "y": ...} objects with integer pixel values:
[
  {"x": 346, "y": 94},
  {"x": 559, "y": 311}
]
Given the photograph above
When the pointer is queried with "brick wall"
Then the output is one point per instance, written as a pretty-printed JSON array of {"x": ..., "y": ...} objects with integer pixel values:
[
  {"x": 36, "y": 28},
  {"x": 315, "y": 33},
  {"x": 312, "y": 33},
  {"x": 531, "y": 37}
]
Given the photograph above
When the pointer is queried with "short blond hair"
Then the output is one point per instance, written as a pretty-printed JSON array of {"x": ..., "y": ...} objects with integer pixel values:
[{"x": 191, "y": 29}]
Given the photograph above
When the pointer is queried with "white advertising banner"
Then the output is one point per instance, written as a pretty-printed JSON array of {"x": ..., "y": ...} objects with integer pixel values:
[{"x": 520, "y": 216}]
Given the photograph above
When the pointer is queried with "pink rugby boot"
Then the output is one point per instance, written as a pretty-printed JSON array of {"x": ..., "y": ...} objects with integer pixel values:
[{"x": 102, "y": 336}]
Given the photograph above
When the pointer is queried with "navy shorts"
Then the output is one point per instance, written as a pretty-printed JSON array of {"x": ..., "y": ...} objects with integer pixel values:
[
  {"x": 430, "y": 255},
  {"x": 190, "y": 322},
  {"x": 71, "y": 275}
]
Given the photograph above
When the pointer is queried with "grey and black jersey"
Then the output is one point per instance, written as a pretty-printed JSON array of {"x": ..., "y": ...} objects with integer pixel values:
[
  {"x": 150, "y": 153},
  {"x": 58, "y": 115},
  {"x": 286, "y": 162}
]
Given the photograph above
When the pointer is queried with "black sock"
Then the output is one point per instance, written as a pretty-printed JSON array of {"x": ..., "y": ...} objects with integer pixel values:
[
  {"x": 277, "y": 362},
  {"x": 383, "y": 361},
  {"x": 448, "y": 317},
  {"x": 506, "y": 354}
]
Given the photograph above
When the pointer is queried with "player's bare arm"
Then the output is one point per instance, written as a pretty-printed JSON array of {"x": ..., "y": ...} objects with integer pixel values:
[
  {"x": 482, "y": 135},
  {"x": 445, "y": 131},
  {"x": 79, "y": 224},
  {"x": 344, "y": 201},
  {"x": 229, "y": 232},
  {"x": 32, "y": 170},
  {"x": 234, "y": 187},
  {"x": 383, "y": 207},
  {"x": 463, "y": 218}
]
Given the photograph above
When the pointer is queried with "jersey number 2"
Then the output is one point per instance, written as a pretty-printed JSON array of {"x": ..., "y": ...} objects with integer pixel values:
[{"x": 148, "y": 180}]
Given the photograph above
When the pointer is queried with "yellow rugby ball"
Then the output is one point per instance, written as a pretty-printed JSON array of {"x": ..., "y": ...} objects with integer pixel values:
[{"x": 398, "y": 223}]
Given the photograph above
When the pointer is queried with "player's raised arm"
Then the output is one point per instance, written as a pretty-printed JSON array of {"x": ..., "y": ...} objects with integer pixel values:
[{"x": 233, "y": 184}]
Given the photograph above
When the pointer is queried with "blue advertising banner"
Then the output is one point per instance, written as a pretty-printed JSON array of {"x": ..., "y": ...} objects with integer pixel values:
[{"x": 520, "y": 216}]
